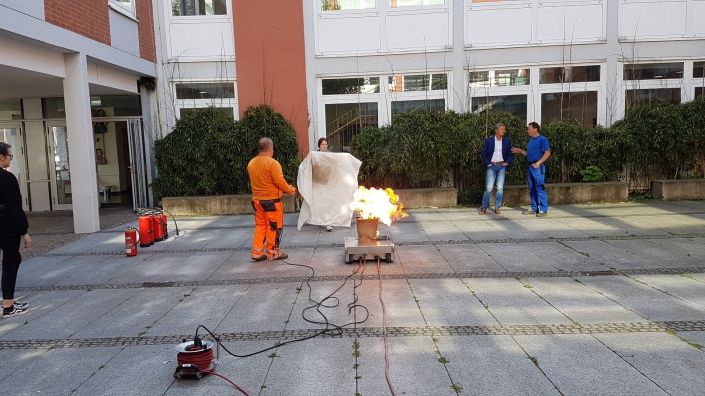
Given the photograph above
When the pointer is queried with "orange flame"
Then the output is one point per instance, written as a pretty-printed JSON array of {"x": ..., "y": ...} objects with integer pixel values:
[{"x": 374, "y": 203}]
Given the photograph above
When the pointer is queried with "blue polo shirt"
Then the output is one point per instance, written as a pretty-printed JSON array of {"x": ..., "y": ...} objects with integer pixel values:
[{"x": 537, "y": 146}]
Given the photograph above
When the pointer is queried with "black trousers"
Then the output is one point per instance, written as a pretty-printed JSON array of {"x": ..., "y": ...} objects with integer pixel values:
[{"x": 11, "y": 259}]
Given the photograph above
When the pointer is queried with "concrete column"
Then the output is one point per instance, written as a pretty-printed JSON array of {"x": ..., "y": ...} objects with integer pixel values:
[{"x": 84, "y": 182}]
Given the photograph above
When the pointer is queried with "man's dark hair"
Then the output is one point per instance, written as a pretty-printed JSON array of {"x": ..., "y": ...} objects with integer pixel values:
[
  {"x": 4, "y": 148},
  {"x": 535, "y": 125},
  {"x": 264, "y": 144},
  {"x": 321, "y": 140}
]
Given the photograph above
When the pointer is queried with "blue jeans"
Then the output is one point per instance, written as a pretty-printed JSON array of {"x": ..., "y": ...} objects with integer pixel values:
[
  {"x": 537, "y": 188},
  {"x": 494, "y": 173}
]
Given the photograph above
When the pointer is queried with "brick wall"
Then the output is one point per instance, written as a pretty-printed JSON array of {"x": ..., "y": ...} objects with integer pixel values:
[
  {"x": 89, "y": 18},
  {"x": 146, "y": 30}
]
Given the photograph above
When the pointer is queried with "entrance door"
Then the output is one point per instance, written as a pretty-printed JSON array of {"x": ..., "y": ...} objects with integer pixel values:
[
  {"x": 139, "y": 169},
  {"x": 60, "y": 172},
  {"x": 11, "y": 133}
]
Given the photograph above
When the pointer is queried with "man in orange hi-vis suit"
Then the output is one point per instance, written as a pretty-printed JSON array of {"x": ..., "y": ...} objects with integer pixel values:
[{"x": 268, "y": 184}]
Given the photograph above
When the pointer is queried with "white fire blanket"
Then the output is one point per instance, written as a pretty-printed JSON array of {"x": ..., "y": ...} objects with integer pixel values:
[{"x": 327, "y": 182}]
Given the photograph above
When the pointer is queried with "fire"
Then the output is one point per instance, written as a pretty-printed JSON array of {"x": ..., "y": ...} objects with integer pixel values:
[{"x": 374, "y": 203}]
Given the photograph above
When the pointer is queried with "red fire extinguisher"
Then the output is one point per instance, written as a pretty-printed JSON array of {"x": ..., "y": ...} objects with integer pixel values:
[
  {"x": 145, "y": 225},
  {"x": 157, "y": 218},
  {"x": 164, "y": 229},
  {"x": 131, "y": 241}
]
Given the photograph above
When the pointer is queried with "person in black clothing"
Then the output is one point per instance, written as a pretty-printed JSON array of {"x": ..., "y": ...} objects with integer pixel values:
[{"x": 13, "y": 228}]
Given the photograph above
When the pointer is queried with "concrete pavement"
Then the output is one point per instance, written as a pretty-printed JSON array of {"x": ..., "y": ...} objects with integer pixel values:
[{"x": 602, "y": 299}]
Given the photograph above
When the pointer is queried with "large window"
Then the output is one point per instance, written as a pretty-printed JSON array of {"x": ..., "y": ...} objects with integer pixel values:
[
  {"x": 407, "y": 106},
  {"x": 636, "y": 98},
  {"x": 700, "y": 92},
  {"x": 227, "y": 111},
  {"x": 653, "y": 71},
  {"x": 500, "y": 78},
  {"x": 343, "y": 86},
  {"x": 414, "y": 3},
  {"x": 205, "y": 90},
  {"x": 10, "y": 109},
  {"x": 568, "y": 74},
  {"x": 418, "y": 82},
  {"x": 514, "y": 104},
  {"x": 334, "y": 5},
  {"x": 345, "y": 120},
  {"x": 567, "y": 106},
  {"x": 699, "y": 69},
  {"x": 198, "y": 7}
]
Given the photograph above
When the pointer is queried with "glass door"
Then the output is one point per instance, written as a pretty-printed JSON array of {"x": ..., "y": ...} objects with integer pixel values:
[
  {"x": 11, "y": 133},
  {"x": 60, "y": 171}
]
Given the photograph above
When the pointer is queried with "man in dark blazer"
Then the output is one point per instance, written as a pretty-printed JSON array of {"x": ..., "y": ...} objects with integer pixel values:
[{"x": 496, "y": 155}]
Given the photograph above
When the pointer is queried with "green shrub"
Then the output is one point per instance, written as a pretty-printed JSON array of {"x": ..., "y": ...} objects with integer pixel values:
[
  {"x": 207, "y": 152},
  {"x": 591, "y": 174}
]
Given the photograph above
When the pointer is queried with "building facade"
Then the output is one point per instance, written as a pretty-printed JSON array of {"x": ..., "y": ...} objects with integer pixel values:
[{"x": 71, "y": 104}]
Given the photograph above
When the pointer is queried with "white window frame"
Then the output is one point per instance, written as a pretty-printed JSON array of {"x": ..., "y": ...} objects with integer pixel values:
[
  {"x": 203, "y": 103},
  {"x": 488, "y": 91},
  {"x": 574, "y": 87},
  {"x": 211, "y": 18},
  {"x": 119, "y": 7}
]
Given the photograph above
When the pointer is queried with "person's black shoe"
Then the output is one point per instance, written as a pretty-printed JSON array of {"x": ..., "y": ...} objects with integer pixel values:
[
  {"x": 20, "y": 305},
  {"x": 7, "y": 314}
]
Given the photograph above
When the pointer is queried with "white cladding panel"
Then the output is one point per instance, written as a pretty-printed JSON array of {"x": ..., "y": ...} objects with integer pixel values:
[
  {"x": 699, "y": 17},
  {"x": 349, "y": 34},
  {"x": 206, "y": 41},
  {"x": 563, "y": 23},
  {"x": 419, "y": 32},
  {"x": 653, "y": 19},
  {"x": 488, "y": 27}
]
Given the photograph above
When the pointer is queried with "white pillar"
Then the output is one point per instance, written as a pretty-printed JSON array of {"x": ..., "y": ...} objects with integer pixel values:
[{"x": 84, "y": 183}]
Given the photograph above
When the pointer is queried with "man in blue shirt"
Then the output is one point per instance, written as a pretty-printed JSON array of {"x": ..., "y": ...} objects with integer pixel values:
[
  {"x": 537, "y": 152},
  {"x": 497, "y": 155}
]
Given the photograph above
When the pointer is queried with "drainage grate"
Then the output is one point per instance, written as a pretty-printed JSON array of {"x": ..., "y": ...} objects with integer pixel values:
[
  {"x": 158, "y": 284},
  {"x": 598, "y": 273}
]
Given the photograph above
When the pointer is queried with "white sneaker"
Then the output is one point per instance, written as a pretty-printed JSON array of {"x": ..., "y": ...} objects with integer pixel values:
[{"x": 329, "y": 228}]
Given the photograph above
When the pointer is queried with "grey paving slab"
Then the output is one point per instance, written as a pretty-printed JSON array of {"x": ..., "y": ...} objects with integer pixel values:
[
  {"x": 480, "y": 365},
  {"x": 248, "y": 373},
  {"x": 330, "y": 261},
  {"x": 261, "y": 307},
  {"x": 35, "y": 268},
  {"x": 231, "y": 238},
  {"x": 169, "y": 267},
  {"x": 114, "y": 244},
  {"x": 59, "y": 270},
  {"x": 673, "y": 365},
  {"x": 307, "y": 236},
  {"x": 413, "y": 367},
  {"x": 58, "y": 371},
  {"x": 206, "y": 305},
  {"x": 694, "y": 224},
  {"x": 320, "y": 367},
  {"x": 287, "y": 268},
  {"x": 695, "y": 205},
  {"x": 102, "y": 270},
  {"x": 135, "y": 370},
  {"x": 40, "y": 303},
  {"x": 187, "y": 239},
  {"x": 651, "y": 251},
  {"x": 324, "y": 302},
  {"x": 563, "y": 257},
  {"x": 445, "y": 231},
  {"x": 628, "y": 226},
  {"x": 468, "y": 258},
  {"x": 553, "y": 228},
  {"x": 449, "y": 302},
  {"x": 696, "y": 337},
  {"x": 238, "y": 266},
  {"x": 86, "y": 243},
  {"x": 515, "y": 257},
  {"x": 644, "y": 300},
  {"x": 134, "y": 316},
  {"x": 513, "y": 304},
  {"x": 479, "y": 231},
  {"x": 424, "y": 215},
  {"x": 689, "y": 290},
  {"x": 669, "y": 207},
  {"x": 516, "y": 230},
  {"x": 422, "y": 259},
  {"x": 580, "y": 303},
  {"x": 591, "y": 227},
  {"x": 14, "y": 360},
  {"x": 691, "y": 247},
  {"x": 399, "y": 303},
  {"x": 622, "y": 209},
  {"x": 70, "y": 317},
  {"x": 581, "y": 365},
  {"x": 407, "y": 232},
  {"x": 338, "y": 234},
  {"x": 610, "y": 255}
]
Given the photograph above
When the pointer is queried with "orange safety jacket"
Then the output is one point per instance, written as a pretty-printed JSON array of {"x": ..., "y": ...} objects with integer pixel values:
[{"x": 267, "y": 178}]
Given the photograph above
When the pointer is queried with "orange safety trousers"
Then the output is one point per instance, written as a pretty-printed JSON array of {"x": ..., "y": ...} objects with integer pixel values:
[{"x": 269, "y": 221}]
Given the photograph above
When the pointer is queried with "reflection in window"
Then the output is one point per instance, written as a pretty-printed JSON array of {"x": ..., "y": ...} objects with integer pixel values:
[
  {"x": 205, "y": 90},
  {"x": 334, "y": 5},
  {"x": 407, "y": 106},
  {"x": 127, "y": 4},
  {"x": 418, "y": 82},
  {"x": 567, "y": 106},
  {"x": 198, "y": 7},
  {"x": 415, "y": 3},
  {"x": 568, "y": 74},
  {"x": 699, "y": 69},
  {"x": 700, "y": 92},
  {"x": 500, "y": 78},
  {"x": 342, "y": 86},
  {"x": 653, "y": 71},
  {"x": 345, "y": 120},
  {"x": 636, "y": 98},
  {"x": 226, "y": 111},
  {"x": 514, "y": 104},
  {"x": 10, "y": 109}
]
